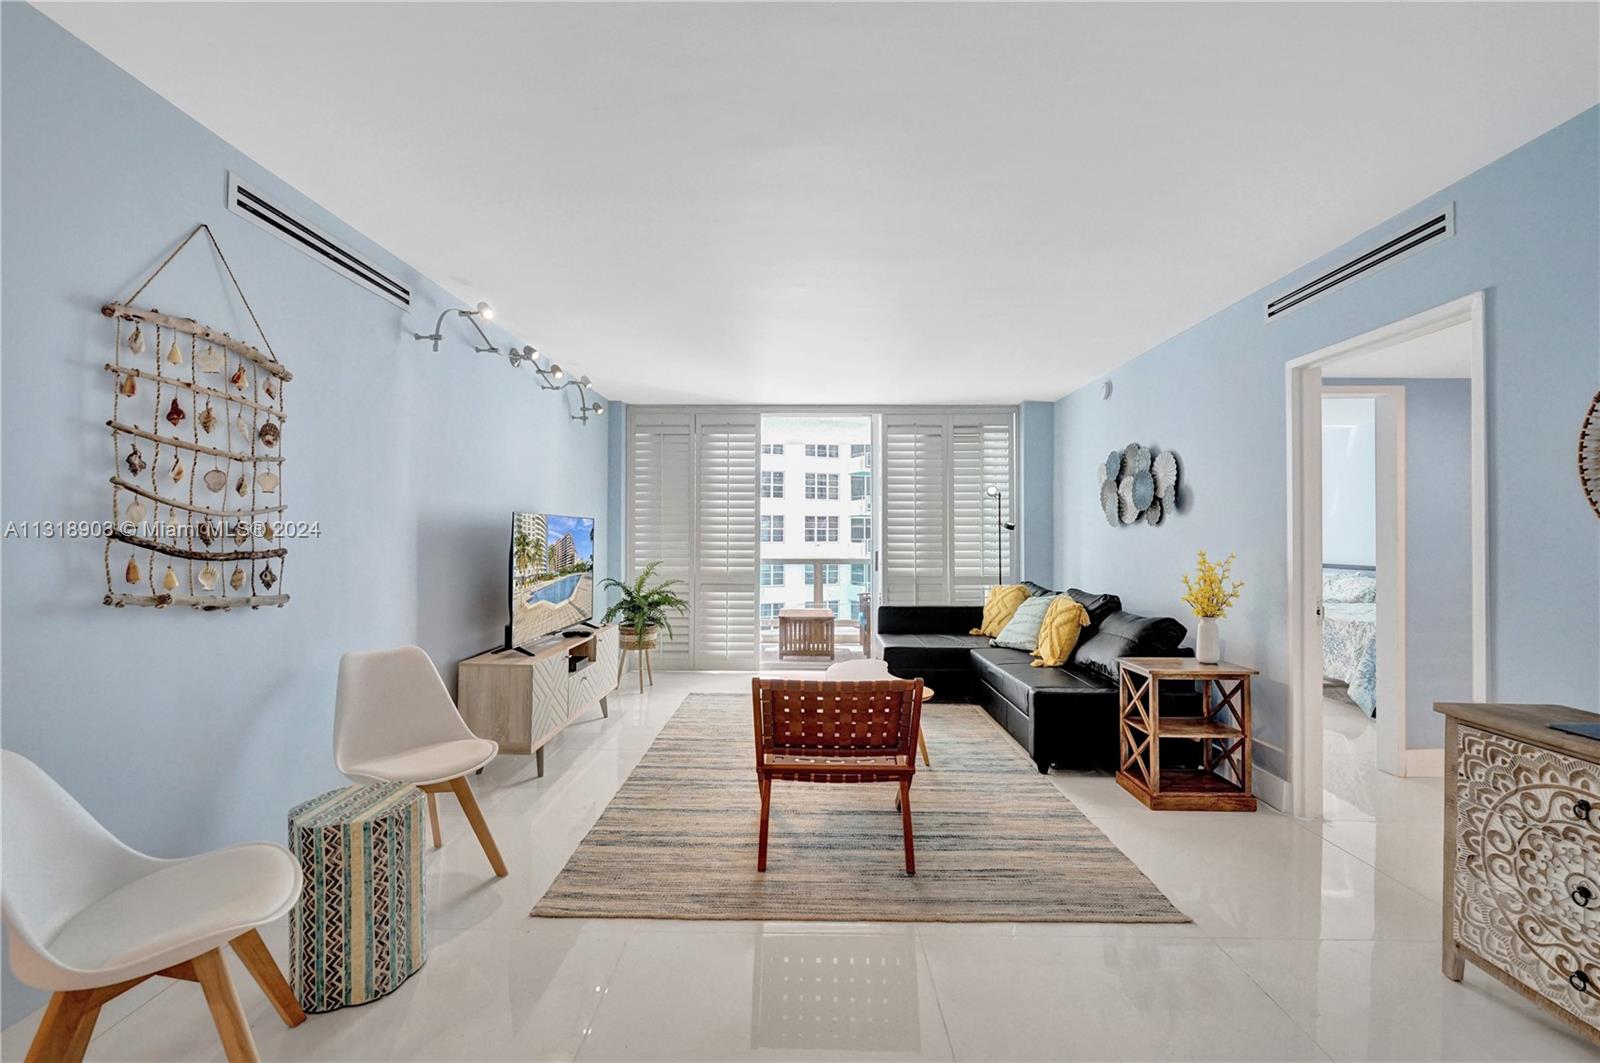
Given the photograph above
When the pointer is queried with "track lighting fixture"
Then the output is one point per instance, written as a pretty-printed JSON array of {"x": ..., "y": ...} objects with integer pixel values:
[{"x": 553, "y": 378}]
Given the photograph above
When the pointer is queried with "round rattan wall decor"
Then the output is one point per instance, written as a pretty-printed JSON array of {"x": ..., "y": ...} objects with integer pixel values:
[{"x": 1589, "y": 455}]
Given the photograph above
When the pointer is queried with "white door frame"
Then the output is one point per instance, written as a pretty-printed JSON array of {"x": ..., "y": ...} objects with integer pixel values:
[
  {"x": 1389, "y": 518},
  {"x": 1303, "y": 397}
]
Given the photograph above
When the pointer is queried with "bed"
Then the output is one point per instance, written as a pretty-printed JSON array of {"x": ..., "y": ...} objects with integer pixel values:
[{"x": 1350, "y": 632}]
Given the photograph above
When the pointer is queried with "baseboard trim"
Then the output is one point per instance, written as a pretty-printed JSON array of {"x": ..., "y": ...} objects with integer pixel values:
[
  {"x": 1424, "y": 763},
  {"x": 1271, "y": 789}
]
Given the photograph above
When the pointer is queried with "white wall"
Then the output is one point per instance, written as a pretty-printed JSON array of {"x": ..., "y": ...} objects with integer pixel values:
[{"x": 1349, "y": 520}]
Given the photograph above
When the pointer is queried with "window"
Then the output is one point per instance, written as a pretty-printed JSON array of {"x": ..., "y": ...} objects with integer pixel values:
[
  {"x": 858, "y": 487},
  {"x": 772, "y": 528},
  {"x": 822, "y": 529},
  {"x": 772, "y": 448},
  {"x": 862, "y": 450},
  {"x": 772, "y": 575},
  {"x": 858, "y": 574},
  {"x": 769, "y": 613},
  {"x": 860, "y": 529},
  {"x": 830, "y": 574},
  {"x": 822, "y": 450},
  {"x": 772, "y": 485},
  {"x": 822, "y": 485}
]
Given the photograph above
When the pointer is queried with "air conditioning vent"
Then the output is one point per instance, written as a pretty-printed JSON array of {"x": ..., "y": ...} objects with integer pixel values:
[
  {"x": 251, "y": 205},
  {"x": 1437, "y": 227}
]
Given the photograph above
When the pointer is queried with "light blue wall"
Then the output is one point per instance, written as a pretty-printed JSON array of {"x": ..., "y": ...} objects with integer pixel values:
[
  {"x": 1438, "y": 551},
  {"x": 183, "y": 731},
  {"x": 1528, "y": 232},
  {"x": 1036, "y": 520},
  {"x": 1349, "y": 480}
]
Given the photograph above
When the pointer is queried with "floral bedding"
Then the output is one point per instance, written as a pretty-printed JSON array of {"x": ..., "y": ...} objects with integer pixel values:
[{"x": 1349, "y": 633}]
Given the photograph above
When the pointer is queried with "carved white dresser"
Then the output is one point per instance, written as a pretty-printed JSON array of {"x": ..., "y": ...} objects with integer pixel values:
[{"x": 1522, "y": 854}]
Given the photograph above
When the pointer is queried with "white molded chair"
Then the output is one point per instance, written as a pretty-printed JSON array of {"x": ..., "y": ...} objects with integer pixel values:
[
  {"x": 91, "y": 918},
  {"x": 394, "y": 721}
]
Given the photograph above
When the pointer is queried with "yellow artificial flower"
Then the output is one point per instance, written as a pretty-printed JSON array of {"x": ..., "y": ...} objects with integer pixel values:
[{"x": 1213, "y": 590}]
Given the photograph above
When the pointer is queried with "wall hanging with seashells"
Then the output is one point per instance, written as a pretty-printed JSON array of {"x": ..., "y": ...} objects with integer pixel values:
[
  {"x": 1138, "y": 483},
  {"x": 196, "y": 487}
]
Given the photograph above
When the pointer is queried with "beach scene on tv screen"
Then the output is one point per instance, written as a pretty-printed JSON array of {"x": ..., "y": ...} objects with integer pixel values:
[{"x": 552, "y": 573}]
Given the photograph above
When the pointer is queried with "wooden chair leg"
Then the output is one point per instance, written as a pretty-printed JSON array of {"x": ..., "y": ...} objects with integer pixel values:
[
  {"x": 433, "y": 818},
  {"x": 65, "y": 1030},
  {"x": 480, "y": 827},
  {"x": 922, "y": 744},
  {"x": 766, "y": 806},
  {"x": 226, "y": 1011},
  {"x": 264, "y": 969},
  {"x": 905, "y": 823}
]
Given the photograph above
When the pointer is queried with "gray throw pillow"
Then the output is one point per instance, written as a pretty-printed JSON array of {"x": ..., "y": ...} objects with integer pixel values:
[{"x": 1022, "y": 631}]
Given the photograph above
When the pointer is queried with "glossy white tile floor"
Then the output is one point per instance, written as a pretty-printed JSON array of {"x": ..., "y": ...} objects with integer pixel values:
[{"x": 1311, "y": 940}]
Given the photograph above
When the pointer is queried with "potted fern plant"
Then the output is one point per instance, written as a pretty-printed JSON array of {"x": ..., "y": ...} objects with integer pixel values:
[{"x": 642, "y": 607}]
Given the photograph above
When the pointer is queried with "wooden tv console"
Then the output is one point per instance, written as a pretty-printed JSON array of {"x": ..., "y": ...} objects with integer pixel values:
[{"x": 524, "y": 700}]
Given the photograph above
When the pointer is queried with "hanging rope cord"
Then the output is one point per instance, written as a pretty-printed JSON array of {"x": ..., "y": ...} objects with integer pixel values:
[{"x": 233, "y": 279}]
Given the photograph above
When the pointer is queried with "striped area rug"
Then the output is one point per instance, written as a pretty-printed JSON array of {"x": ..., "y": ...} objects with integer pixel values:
[{"x": 996, "y": 842}]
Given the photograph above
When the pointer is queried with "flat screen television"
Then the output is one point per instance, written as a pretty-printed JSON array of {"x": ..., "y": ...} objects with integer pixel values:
[{"x": 552, "y": 575}]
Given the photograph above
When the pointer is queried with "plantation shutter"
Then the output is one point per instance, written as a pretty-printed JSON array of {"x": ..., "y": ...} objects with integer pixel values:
[
  {"x": 980, "y": 549},
  {"x": 915, "y": 512},
  {"x": 727, "y": 485},
  {"x": 659, "y": 485}
]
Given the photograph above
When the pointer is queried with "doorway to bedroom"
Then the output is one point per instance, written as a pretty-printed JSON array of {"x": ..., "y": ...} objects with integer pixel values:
[{"x": 1386, "y": 545}]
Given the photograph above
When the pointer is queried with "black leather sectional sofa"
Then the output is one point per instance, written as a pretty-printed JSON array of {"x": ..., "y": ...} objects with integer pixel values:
[{"x": 1065, "y": 716}]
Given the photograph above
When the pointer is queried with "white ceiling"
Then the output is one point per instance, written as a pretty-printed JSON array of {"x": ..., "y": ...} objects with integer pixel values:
[
  {"x": 859, "y": 203},
  {"x": 1445, "y": 352}
]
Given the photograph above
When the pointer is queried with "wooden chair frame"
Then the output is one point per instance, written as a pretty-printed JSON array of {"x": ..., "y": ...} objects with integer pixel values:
[
  {"x": 837, "y": 732},
  {"x": 469, "y": 805},
  {"x": 69, "y": 1018}
]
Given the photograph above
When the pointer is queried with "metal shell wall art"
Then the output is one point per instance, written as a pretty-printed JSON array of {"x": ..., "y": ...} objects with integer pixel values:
[
  {"x": 1138, "y": 483},
  {"x": 212, "y": 411}
]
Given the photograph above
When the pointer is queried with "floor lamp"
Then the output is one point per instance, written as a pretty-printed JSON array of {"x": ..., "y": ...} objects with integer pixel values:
[{"x": 1001, "y": 526}]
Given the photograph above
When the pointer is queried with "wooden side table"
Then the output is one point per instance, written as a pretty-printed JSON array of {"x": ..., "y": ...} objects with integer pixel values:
[
  {"x": 805, "y": 633},
  {"x": 1222, "y": 782}
]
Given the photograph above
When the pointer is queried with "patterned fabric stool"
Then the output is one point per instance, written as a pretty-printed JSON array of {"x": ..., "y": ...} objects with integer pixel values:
[{"x": 357, "y": 932}]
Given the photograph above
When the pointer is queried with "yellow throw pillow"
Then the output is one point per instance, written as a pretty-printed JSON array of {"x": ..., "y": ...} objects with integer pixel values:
[
  {"x": 1058, "y": 635},
  {"x": 997, "y": 610}
]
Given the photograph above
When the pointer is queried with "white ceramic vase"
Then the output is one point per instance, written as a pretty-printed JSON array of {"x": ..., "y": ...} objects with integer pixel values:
[{"x": 1207, "y": 649}]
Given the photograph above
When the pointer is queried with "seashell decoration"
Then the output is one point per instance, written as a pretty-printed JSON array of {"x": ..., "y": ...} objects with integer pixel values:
[{"x": 232, "y": 391}]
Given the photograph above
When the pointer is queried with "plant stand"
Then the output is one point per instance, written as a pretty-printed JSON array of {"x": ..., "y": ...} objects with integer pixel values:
[
  {"x": 640, "y": 645},
  {"x": 1222, "y": 782}
]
